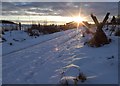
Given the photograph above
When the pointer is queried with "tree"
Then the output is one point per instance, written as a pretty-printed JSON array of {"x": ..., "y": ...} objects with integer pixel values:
[{"x": 19, "y": 26}]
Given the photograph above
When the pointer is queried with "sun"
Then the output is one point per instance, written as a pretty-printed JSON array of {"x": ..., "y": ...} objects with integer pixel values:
[{"x": 79, "y": 19}]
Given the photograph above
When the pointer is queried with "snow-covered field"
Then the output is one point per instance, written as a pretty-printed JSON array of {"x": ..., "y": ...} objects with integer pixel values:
[
  {"x": 41, "y": 60},
  {"x": 21, "y": 40}
]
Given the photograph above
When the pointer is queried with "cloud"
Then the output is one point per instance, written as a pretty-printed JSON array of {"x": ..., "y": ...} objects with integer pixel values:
[
  {"x": 59, "y": 8},
  {"x": 60, "y": 1}
]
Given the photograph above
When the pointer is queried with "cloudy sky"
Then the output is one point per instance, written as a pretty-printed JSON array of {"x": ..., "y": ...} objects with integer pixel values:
[{"x": 56, "y": 11}]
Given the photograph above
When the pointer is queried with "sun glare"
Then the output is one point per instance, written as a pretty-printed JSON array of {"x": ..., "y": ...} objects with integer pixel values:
[{"x": 78, "y": 19}]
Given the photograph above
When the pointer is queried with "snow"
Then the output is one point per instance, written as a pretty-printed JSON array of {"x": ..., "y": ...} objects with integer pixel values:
[
  {"x": 72, "y": 65},
  {"x": 42, "y": 60},
  {"x": 24, "y": 40}
]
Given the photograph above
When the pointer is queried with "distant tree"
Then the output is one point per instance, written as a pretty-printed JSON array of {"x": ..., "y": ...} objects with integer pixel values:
[{"x": 19, "y": 26}]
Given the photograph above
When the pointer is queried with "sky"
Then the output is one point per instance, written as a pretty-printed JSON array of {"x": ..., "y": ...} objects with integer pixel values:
[
  {"x": 60, "y": 0},
  {"x": 56, "y": 12}
]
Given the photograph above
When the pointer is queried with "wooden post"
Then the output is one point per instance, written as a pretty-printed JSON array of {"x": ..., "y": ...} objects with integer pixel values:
[
  {"x": 100, "y": 37},
  {"x": 95, "y": 20},
  {"x": 106, "y": 18},
  {"x": 113, "y": 22}
]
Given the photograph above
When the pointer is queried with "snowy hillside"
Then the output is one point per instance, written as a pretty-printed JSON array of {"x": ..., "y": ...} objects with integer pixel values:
[{"x": 43, "y": 60}]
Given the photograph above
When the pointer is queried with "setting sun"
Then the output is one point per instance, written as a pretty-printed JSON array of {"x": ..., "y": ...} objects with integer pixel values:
[{"x": 78, "y": 19}]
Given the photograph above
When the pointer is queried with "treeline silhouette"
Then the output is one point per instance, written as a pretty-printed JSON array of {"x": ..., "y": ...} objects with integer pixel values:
[{"x": 36, "y": 30}]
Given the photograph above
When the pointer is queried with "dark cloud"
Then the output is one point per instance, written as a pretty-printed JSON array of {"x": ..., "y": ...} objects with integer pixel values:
[{"x": 59, "y": 8}]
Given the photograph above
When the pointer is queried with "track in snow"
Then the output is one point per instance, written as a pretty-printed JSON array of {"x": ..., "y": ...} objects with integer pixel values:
[
  {"x": 27, "y": 62},
  {"x": 56, "y": 37}
]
